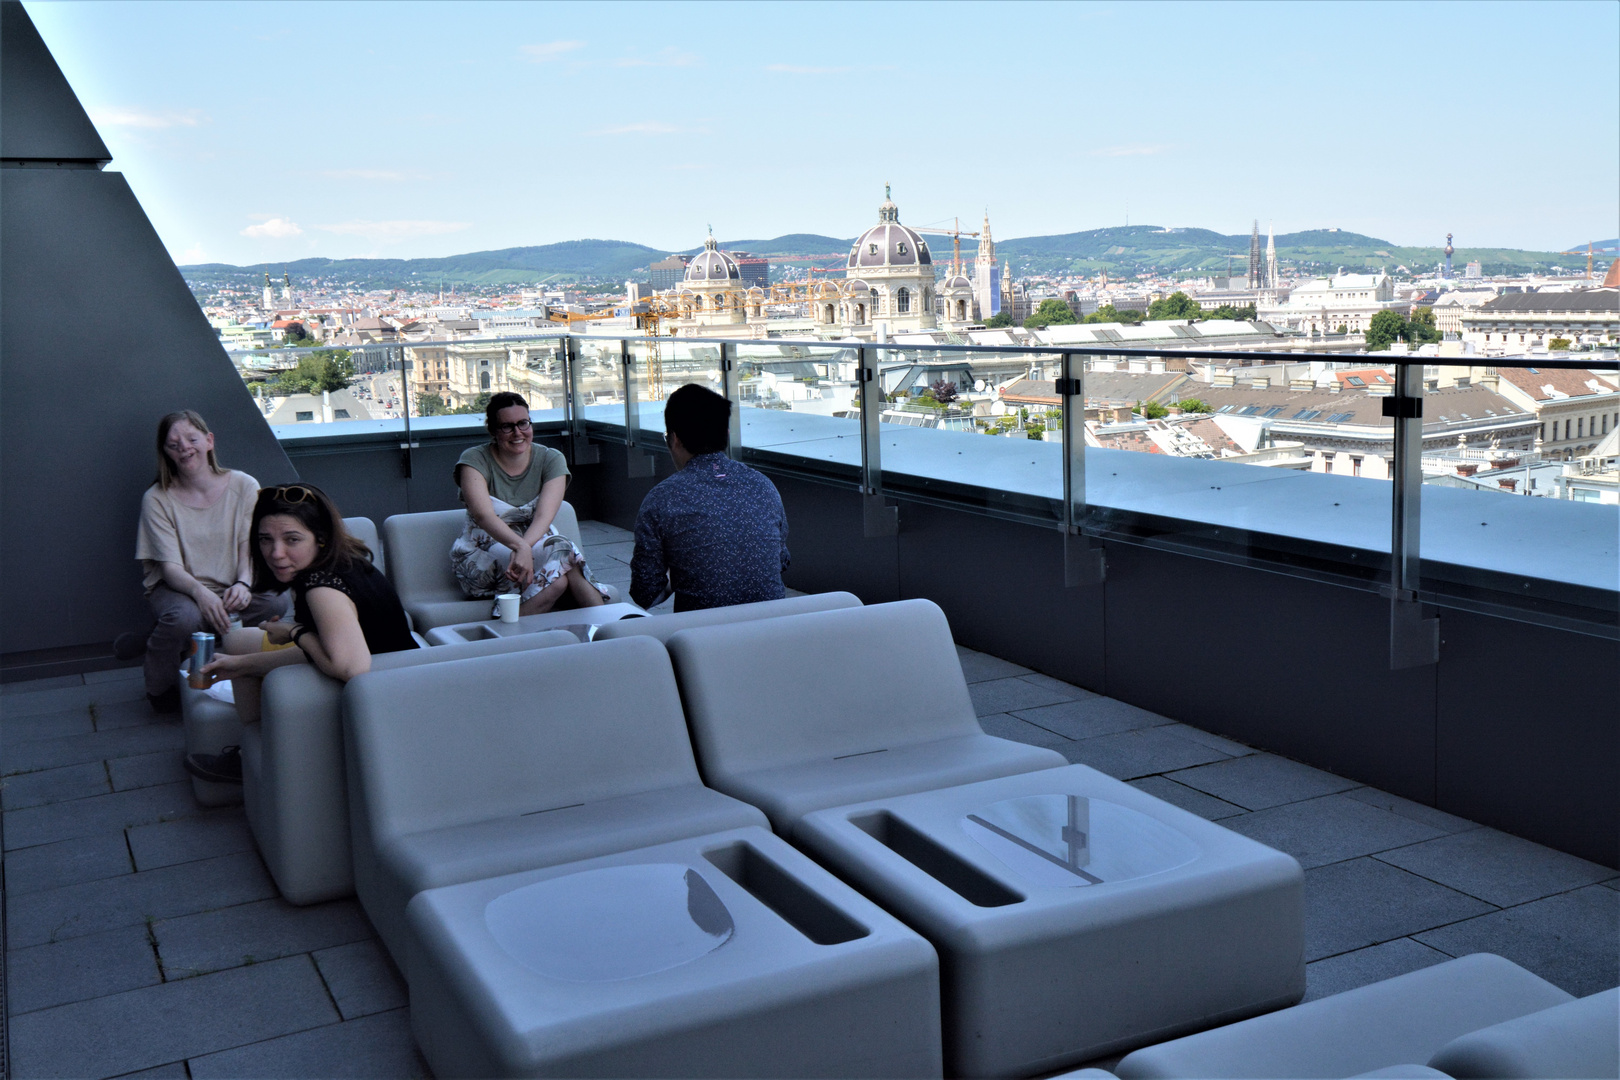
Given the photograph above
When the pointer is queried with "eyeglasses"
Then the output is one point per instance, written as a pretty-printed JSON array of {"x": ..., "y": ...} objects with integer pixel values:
[
  {"x": 291, "y": 493},
  {"x": 507, "y": 429}
]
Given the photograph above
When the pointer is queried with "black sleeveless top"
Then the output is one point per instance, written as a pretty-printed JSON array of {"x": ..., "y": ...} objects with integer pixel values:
[{"x": 382, "y": 619}]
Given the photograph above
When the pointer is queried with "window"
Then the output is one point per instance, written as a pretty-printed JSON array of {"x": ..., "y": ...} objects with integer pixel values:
[
  {"x": 903, "y": 301},
  {"x": 1580, "y": 428},
  {"x": 1355, "y": 466},
  {"x": 1566, "y": 429},
  {"x": 301, "y": 417},
  {"x": 340, "y": 414}
]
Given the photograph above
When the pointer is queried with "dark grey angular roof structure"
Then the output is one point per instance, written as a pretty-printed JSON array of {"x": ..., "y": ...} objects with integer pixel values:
[{"x": 41, "y": 120}]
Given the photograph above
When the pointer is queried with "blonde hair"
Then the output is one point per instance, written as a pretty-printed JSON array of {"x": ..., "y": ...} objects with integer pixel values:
[{"x": 166, "y": 474}]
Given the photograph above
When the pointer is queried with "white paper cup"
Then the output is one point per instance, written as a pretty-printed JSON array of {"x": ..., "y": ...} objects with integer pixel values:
[{"x": 507, "y": 605}]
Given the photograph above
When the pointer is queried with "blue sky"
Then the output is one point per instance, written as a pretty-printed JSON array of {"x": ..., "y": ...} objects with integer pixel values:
[{"x": 271, "y": 131}]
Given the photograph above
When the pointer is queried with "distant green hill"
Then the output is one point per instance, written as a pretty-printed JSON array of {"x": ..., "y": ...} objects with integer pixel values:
[{"x": 1119, "y": 251}]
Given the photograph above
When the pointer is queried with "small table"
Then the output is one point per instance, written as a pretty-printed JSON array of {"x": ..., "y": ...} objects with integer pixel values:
[
  {"x": 581, "y": 622},
  {"x": 724, "y": 955},
  {"x": 1074, "y": 915}
]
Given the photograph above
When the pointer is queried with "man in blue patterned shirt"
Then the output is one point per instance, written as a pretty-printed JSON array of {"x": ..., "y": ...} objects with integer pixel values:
[{"x": 714, "y": 534}]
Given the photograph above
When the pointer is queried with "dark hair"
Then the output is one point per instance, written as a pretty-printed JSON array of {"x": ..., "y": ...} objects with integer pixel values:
[
  {"x": 503, "y": 400},
  {"x": 336, "y": 547},
  {"x": 699, "y": 417},
  {"x": 166, "y": 474}
]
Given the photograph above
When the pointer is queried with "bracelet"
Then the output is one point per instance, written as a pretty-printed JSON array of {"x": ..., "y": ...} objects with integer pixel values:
[
  {"x": 299, "y": 631},
  {"x": 248, "y": 585}
]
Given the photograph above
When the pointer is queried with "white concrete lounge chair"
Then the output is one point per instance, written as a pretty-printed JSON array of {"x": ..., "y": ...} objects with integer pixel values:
[
  {"x": 1402, "y": 1021},
  {"x": 476, "y": 768},
  {"x": 663, "y": 627},
  {"x": 419, "y": 566},
  {"x": 1577, "y": 1039},
  {"x": 833, "y": 707},
  {"x": 293, "y": 777}
]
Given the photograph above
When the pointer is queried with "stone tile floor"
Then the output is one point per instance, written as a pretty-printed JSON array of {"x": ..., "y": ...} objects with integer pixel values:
[{"x": 143, "y": 934}]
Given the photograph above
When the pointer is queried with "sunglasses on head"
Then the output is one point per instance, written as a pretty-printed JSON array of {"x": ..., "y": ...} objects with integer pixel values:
[{"x": 291, "y": 493}]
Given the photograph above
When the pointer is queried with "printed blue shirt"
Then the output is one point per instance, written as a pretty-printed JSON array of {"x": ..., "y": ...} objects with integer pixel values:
[{"x": 714, "y": 534}]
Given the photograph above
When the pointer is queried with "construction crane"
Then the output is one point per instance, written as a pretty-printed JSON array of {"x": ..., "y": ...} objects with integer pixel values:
[
  {"x": 1588, "y": 254},
  {"x": 956, "y": 235}
]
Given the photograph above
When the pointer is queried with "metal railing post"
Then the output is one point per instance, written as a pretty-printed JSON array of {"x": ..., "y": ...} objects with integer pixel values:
[
  {"x": 584, "y": 453},
  {"x": 1083, "y": 559},
  {"x": 877, "y": 517},
  {"x": 640, "y": 462},
  {"x": 1414, "y": 641},
  {"x": 728, "y": 384},
  {"x": 405, "y": 400}
]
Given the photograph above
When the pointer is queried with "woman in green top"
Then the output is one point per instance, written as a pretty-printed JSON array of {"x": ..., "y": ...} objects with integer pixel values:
[{"x": 512, "y": 489}]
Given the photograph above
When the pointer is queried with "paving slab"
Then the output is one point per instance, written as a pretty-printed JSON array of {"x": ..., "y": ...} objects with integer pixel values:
[
  {"x": 203, "y": 835},
  {"x": 1428, "y": 815},
  {"x": 1130, "y": 754},
  {"x": 1499, "y": 869},
  {"x": 95, "y": 746},
  {"x": 174, "y": 1070},
  {"x": 1568, "y": 939},
  {"x": 114, "y": 714},
  {"x": 94, "y": 906},
  {"x": 156, "y": 1025},
  {"x": 54, "y": 785},
  {"x": 1330, "y": 829},
  {"x": 1613, "y": 883},
  {"x": 622, "y": 550},
  {"x": 51, "y": 866},
  {"x": 253, "y": 933},
  {"x": 1189, "y": 799},
  {"x": 147, "y": 770},
  {"x": 362, "y": 979},
  {"x": 1258, "y": 781},
  {"x": 980, "y": 666},
  {"x": 134, "y": 673},
  {"x": 1230, "y": 747},
  {"x": 1090, "y": 716},
  {"x": 34, "y": 686},
  {"x": 86, "y": 817},
  {"x": 1012, "y": 694},
  {"x": 1006, "y": 726},
  {"x": 19, "y": 728},
  {"x": 42, "y": 697},
  {"x": 95, "y": 965},
  {"x": 1373, "y": 964},
  {"x": 1058, "y": 685},
  {"x": 1351, "y": 905},
  {"x": 375, "y": 1046}
]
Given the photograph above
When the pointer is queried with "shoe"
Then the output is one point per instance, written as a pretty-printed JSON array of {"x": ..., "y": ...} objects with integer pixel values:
[
  {"x": 166, "y": 702},
  {"x": 224, "y": 767}
]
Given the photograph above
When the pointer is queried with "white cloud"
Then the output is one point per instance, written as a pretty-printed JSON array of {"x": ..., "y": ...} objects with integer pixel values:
[
  {"x": 385, "y": 231},
  {"x": 151, "y": 121},
  {"x": 1130, "y": 150},
  {"x": 801, "y": 69},
  {"x": 669, "y": 56},
  {"x": 271, "y": 228},
  {"x": 650, "y": 127},
  {"x": 548, "y": 51},
  {"x": 193, "y": 254}
]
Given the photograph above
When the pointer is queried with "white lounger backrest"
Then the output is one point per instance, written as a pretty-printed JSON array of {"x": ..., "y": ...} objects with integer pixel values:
[
  {"x": 1577, "y": 1038},
  {"x": 663, "y": 627},
  {"x": 765, "y": 694},
  {"x": 364, "y": 530},
  {"x": 418, "y": 547},
  {"x": 492, "y": 737}
]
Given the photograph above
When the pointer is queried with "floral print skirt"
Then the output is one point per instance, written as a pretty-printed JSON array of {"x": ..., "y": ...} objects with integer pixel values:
[{"x": 479, "y": 560}]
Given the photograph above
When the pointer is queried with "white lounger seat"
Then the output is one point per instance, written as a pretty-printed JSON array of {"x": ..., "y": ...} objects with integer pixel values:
[
  {"x": 477, "y": 768},
  {"x": 834, "y": 707},
  {"x": 1400, "y": 1021},
  {"x": 293, "y": 777},
  {"x": 419, "y": 565},
  {"x": 1578, "y": 1039},
  {"x": 663, "y": 626}
]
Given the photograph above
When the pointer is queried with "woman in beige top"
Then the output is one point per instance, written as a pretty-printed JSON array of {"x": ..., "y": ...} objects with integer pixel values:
[{"x": 193, "y": 543}]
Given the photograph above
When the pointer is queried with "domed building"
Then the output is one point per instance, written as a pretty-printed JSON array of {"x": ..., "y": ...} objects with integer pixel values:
[
  {"x": 960, "y": 307},
  {"x": 895, "y": 264},
  {"x": 712, "y": 294}
]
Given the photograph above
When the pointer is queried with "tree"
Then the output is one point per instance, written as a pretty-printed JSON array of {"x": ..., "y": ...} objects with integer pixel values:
[
  {"x": 1152, "y": 410},
  {"x": 1558, "y": 344},
  {"x": 1385, "y": 327},
  {"x": 1193, "y": 404},
  {"x": 1052, "y": 312},
  {"x": 323, "y": 369},
  {"x": 944, "y": 391},
  {"x": 998, "y": 321},
  {"x": 1178, "y": 305},
  {"x": 1246, "y": 313},
  {"x": 1108, "y": 313},
  {"x": 430, "y": 405},
  {"x": 476, "y": 405},
  {"x": 1420, "y": 328},
  {"x": 296, "y": 335}
]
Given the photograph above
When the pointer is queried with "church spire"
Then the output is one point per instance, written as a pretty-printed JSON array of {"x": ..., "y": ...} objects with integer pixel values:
[
  {"x": 1254, "y": 255},
  {"x": 1271, "y": 255}
]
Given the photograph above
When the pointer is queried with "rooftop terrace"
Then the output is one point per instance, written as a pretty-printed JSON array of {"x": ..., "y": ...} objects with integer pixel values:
[{"x": 143, "y": 934}]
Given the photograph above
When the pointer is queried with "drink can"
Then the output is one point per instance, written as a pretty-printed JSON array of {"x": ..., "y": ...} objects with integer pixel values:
[{"x": 202, "y": 651}]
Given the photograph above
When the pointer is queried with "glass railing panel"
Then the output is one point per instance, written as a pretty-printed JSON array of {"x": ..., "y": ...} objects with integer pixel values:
[
  {"x": 974, "y": 428},
  {"x": 799, "y": 407},
  {"x": 661, "y": 365},
  {"x": 599, "y": 381},
  {"x": 538, "y": 371},
  {"x": 1521, "y": 488}
]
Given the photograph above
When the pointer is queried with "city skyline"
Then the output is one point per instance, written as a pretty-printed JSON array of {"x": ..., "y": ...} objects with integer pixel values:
[{"x": 265, "y": 132}]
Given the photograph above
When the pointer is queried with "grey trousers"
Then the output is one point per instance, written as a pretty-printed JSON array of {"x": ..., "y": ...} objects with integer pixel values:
[{"x": 178, "y": 617}]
